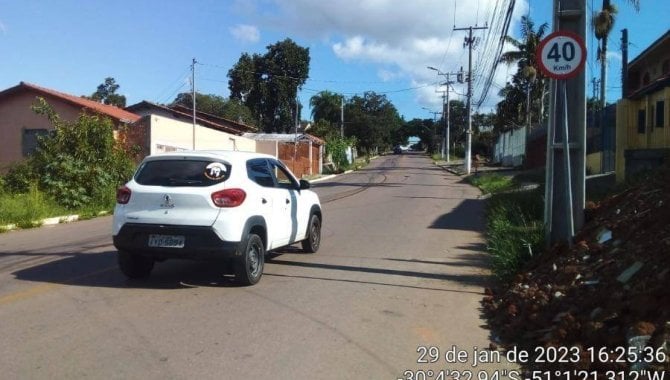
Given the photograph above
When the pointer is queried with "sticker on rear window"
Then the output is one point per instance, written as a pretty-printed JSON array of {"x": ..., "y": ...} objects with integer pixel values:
[{"x": 215, "y": 171}]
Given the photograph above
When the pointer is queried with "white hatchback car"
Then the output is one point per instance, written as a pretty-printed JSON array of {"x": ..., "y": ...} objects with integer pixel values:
[{"x": 205, "y": 205}]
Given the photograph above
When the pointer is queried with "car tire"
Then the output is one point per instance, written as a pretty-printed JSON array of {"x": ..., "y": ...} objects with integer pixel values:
[
  {"x": 135, "y": 266},
  {"x": 249, "y": 267},
  {"x": 313, "y": 241}
]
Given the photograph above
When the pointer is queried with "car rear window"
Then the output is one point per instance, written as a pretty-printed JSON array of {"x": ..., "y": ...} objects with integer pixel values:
[{"x": 193, "y": 173}]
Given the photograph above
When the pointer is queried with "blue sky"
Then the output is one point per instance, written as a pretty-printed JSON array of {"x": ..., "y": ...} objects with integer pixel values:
[{"x": 355, "y": 45}]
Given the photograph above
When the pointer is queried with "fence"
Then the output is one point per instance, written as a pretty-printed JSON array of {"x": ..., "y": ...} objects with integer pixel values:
[{"x": 510, "y": 149}]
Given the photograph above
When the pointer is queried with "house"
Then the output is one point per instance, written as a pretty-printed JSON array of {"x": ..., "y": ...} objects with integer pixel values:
[
  {"x": 20, "y": 125},
  {"x": 167, "y": 129},
  {"x": 643, "y": 115},
  {"x": 301, "y": 152}
]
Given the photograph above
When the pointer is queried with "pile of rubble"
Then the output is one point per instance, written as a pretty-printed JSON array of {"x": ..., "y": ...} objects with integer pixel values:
[{"x": 609, "y": 290}]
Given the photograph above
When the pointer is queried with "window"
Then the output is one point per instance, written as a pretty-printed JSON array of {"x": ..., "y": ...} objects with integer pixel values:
[
  {"x": 193, "y": 173},
  {"x": 31, "y": 139},
  {"x": 641, "y": 121},
  {"x": 259, "y": 172},
  {"x": 284, "y": 179},
  {"x": 660, "y": 113}
]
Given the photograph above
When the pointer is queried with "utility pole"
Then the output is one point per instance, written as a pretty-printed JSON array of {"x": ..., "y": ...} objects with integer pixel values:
[
  {"x": 193, "y": 96},
  {"x": 342, "y": 117},
  {"x": 445, "y": 103},
  {"x": 469, "y": 41},
  {"x": 595, "y": 82},
  {"x": 566, "y": 151},
  {"x": 624, "y": 63}
]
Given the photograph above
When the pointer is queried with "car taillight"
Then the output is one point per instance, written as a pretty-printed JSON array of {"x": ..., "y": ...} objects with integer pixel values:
[
  {"x": 229, "y": 197},
  {"x": 123, "y": 195}
]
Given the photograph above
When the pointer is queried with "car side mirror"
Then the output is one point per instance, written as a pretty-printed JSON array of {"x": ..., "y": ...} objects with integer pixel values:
[{"x": 304, "y": 184}]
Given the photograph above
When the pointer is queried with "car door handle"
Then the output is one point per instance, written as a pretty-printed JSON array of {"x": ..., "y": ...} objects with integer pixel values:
[{"x": 264, "y": 201}]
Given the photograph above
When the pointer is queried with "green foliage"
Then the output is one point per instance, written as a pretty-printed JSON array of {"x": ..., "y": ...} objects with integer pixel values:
[
  {"x": 326, "y": 106},
  {"x": 231, "y": 109},
  {"x": 25, "y": 209},
  {"x": 268, "y": 84},
  {"x": 492, "y": 182},
  {"x": 79, "y": 164},
  {"x": 373, "y": 120},
  {"x": 19, "y": 178},
  {"x": 337, "y": 148},
  {"x": 106, "y": 93},
  {"x": 514, "y": 230}
]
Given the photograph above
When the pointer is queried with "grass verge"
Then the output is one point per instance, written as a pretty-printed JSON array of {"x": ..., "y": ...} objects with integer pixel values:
[
  {"x": 27, "y": 210},
  {"x": 514, "y": 222},
  {"x": 492, "y": 182}
]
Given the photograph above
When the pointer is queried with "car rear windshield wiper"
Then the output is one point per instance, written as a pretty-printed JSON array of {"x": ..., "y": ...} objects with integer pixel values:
[{"x": 182, "y": 182}]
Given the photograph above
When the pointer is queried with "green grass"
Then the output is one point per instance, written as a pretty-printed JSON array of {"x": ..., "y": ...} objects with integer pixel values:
[
  {"x": 492, "y": 183},
  {"x": 514, "y": 229},
  {"x": 514, "y": 221},
  {"x": 26, "y": 210}
]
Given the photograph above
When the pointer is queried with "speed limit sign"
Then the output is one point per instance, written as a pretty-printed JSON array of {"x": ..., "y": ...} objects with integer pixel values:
[{"x": 561, "y": 55}]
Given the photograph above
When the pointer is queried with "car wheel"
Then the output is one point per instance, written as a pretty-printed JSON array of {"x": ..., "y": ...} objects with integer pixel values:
[
  {"x": 135, "y": 266},
  {"x": 311, "y": 244},
  {"x": 249, "y": 267}
]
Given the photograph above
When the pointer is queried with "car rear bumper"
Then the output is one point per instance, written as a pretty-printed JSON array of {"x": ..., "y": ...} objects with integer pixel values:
[{"x": 200, "y": 243}]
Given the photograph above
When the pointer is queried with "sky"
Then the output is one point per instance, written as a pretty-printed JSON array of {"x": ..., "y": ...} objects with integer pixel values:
[{"x": 355, "y": 45}]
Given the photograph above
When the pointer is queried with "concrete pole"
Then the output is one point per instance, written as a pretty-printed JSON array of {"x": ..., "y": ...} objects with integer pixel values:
[{"x": 569, "y": 15}]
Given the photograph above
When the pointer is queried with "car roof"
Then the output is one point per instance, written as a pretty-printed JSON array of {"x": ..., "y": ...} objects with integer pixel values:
[{"x": 226, "y": 155}]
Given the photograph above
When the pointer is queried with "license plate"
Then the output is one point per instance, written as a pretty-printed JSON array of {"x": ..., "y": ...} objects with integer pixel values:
[{"x": 166, "y": 241}]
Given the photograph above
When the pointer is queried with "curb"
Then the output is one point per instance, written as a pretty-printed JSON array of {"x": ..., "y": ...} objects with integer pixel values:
[{"x": 49, "y": 221}]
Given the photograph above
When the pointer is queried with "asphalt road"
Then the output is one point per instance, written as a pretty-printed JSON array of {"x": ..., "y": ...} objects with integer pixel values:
[{"x": 401, "y": 266}]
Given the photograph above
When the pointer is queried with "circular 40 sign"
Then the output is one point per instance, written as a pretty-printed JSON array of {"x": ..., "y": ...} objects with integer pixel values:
[{"x": 561, "y": 55}]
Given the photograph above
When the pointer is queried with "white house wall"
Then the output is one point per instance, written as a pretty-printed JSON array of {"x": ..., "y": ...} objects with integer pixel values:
[{"x": 172, "y": 135}]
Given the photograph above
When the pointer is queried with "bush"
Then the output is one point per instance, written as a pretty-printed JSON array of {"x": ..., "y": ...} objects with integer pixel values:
[{"x": 79, "y": 164}]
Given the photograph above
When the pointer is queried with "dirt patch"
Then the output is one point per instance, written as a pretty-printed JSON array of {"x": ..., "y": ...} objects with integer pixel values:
[{"x": 612, "y": 286}]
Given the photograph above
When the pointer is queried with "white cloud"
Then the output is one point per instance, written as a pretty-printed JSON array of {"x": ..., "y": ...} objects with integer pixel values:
[
  {"x": 246, "y": 33},
  {"x": 403, "y": 37},
  {"x": 3, "y": 28}
]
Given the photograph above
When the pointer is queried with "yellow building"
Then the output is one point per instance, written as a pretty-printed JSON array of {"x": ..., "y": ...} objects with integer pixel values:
[{"x": 643, "y": 115}]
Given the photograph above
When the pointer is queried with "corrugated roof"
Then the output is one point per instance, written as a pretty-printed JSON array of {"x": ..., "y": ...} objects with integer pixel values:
[
  {"x": 284, "y": 137},
  {"x": 103, "y": 109},
  {"x": 185, "y": 116}
]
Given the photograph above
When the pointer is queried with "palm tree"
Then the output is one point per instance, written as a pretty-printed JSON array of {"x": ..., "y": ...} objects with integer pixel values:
[
  {"x": 326, "y": 106},
  {"x": 603, "y": 23},
  {"x": 525, "y": 58}
]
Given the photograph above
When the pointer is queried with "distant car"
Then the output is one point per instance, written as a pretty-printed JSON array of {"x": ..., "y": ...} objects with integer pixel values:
[
  {"x": 397, "y": 149},
  {"x": 206, "y": 205}
]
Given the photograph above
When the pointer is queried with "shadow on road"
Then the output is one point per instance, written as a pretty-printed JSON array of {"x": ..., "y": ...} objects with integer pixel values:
[
  {"x": 467, "y": 216},
  {"x": 101, "y": 270},
  {"x": 467, "y": 279}
]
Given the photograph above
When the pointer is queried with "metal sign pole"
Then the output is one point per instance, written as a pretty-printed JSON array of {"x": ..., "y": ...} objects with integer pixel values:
[{"x": 570, "y": 220}]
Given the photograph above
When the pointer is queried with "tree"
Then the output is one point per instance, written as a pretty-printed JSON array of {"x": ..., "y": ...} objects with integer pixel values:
[
  {"x": 326, "y": 105},
  {"x": 106, "y": 93},
  {"x": 80, "y": 163},
  {"x": 269, "y": 84},
  {"x": 372, "y": 119},
  {"x": 231, "y": 109},
  {"x": 603, "y": 22},
  {"x": 528, "y": 75}
]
